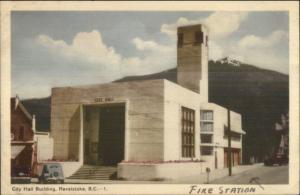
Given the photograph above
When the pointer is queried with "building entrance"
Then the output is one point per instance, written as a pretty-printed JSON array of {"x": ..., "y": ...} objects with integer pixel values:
[
  {"x": 104, "y": 134},
  {"x": 111, "y": 135},
  {"x": 235, "y": 157}
]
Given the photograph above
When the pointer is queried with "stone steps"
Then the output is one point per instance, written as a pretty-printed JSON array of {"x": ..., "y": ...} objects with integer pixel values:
[{"x": 95, "y": 172}]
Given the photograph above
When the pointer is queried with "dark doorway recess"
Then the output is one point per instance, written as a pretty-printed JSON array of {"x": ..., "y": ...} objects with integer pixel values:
[{"x": 111, "y": 134}]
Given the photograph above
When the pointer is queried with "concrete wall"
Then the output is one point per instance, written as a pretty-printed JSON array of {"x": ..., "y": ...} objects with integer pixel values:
[
  {"x": 163, "y": 171},
  {"x": 144, "y": 114},
  {"x": 220, "y": 120},
  {"x": 44, "y": 147},
  {"x": 91, "y": 132},
  {"x": 192, "y": 61},
  {"x": 219, "y": 141},
  {"x": 176, "y": 97}
]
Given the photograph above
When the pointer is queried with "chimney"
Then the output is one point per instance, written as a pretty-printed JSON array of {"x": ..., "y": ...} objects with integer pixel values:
[
  {"x": 17, "y": 101},
  {"x": 33, "y": 123},
  {"x": 192, "y": 59}
]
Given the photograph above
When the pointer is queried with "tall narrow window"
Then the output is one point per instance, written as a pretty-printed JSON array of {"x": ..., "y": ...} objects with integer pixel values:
[
  {"x": 206, "y": 42},
  {"x": 21, "y": 133},
  {"x": 199, "y": 37},
  {"x": 180, "y": 40},
  {"x": 188, "y": 132}
]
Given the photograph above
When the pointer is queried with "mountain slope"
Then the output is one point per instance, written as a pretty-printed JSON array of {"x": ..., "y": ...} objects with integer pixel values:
[
  {"x": 261, "y": 96},
  {"x": 41, "y": 109}
]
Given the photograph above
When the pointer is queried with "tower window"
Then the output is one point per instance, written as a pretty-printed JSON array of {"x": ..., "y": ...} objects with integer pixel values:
[
  {"x": 199, "y": 37},
  {"x": 180, "y": 40}
]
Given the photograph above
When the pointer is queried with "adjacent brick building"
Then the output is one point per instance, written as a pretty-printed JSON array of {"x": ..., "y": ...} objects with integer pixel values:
[{"x": 23, "y": 156}]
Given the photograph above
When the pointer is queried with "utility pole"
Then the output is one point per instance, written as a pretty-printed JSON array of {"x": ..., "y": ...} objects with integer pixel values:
[{"x": 229, "y": 144}]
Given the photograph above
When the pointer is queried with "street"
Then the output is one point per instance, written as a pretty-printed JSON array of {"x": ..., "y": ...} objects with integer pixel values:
[
  {"x": 257, "y": 174},
  {"x": 263, "y": 175}
]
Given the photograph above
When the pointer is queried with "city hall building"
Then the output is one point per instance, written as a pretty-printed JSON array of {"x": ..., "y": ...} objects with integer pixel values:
[{"x": 150, "y": 129}]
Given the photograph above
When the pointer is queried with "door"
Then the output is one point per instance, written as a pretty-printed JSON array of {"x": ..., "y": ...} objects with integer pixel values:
[
  {"x": 216, "y": 160},
  {"x": 111, "y": 134},
  {"x": 225, "y": 159}
]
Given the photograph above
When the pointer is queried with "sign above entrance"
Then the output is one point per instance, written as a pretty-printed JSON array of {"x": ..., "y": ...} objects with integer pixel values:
[{"x": 104, "y": 99}]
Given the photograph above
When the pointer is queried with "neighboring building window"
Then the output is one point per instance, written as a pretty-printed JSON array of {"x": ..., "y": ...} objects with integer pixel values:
[
  {"x": 199, "y": 37},
  {"x": 206, "y": 138},
  {"x": 206, "y": 150},
  {"x": 206, "y": 121},
  {"x": 188, "y": 132},
  {"x": 22, "y": 133},
  {"x": 180, "y": 40},
  {"x": 206, "y": 42}
]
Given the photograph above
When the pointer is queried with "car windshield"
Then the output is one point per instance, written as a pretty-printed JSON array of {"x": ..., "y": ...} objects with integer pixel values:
[{"x": 55, "y": 170}]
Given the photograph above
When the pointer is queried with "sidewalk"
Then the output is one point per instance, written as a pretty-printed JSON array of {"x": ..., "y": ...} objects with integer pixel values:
[
  {"x": 216, "y": 174},
  {"x": 200, "y": 178}
]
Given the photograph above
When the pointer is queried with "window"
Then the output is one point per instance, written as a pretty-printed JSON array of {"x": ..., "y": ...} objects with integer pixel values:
[
  {"x": 199, "y": 37},
  {"x": 206, "y": 138},
  {"x": 206, "y": 150},
  {"x": 188, "y": 132},
  {"x": 207, "y": 126},
  {"x": 180, "y": 40},
  {"x": 22, "y": 133},
  {"x": 206, "y": 42},
  {"x": 206, "y": 115},
  {"x": 206, "y": 121}
]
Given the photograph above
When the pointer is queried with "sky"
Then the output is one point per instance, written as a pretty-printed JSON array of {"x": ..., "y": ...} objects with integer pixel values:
[{"x": 55, "y": 49}]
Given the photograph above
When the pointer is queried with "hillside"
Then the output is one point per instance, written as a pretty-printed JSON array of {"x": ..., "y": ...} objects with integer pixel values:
[
  {"x": 261, "y": 96},
  {"x": 41, "y": 108}
]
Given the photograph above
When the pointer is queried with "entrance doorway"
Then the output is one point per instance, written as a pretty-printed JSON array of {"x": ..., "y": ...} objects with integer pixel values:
[
  {"x": 104, "y": 134},
  {"x": 111, "y": 134}
]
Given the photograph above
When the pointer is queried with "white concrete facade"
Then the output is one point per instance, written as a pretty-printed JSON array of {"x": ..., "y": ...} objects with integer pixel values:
[
  {"x": 219, "y": 139},
  {"x": 165, "y": 129},
  {"x": 44, "y": 146}
]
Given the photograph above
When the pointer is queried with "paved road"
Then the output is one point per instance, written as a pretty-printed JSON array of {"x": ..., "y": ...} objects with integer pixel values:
[{"x": 266, "y": 175}]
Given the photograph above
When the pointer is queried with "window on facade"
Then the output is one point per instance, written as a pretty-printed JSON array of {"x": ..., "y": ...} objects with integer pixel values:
[
  {"x": 188, "y": 132},
  {"x": 180, "y": 40},
  {"x": 206, "y": 121},
  {"x": 21, "y": 133},
  {"x": 206, "y": 138},
  {"x": 206, "y": 150},
  {"x": 206, "y": 42},
  {"x": 199, "y": 37},
  {"x": 206, "y": 115}
]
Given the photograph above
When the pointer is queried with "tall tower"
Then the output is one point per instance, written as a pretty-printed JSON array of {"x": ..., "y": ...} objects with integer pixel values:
[{"x": 192, "y": 59}]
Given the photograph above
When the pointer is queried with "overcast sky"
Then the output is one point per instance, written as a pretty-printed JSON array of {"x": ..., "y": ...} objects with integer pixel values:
[{"x": 51, "y": 49}]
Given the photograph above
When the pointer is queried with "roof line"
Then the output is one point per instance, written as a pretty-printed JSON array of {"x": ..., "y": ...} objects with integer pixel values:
[{"x": 22, "y": 107}]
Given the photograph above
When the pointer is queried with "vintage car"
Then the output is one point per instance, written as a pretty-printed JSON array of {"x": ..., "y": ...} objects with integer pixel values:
[
  {"x": 51, "y": 173},
  {"x": 278, "y": 159},
  {"x": 20, "y": 175}
]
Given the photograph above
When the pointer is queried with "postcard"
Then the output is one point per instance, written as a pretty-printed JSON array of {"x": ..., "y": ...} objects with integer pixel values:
[{"x": 149, "y": 97}]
